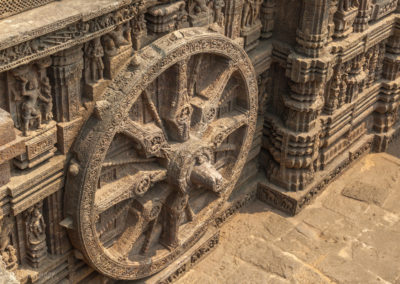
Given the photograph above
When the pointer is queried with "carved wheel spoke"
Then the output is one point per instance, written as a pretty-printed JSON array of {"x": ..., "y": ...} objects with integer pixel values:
[
  {"x": 160, "y": 165},
  {"x": 150, "y": 137},
  {"x": 128, "y": 187},
  {"x": 207, "y": 101},
  {"x": 220, "y": 129}
]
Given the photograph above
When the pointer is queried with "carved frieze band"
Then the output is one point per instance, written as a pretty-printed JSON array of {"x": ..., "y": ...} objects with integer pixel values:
[{"x": 73, "y": 34}]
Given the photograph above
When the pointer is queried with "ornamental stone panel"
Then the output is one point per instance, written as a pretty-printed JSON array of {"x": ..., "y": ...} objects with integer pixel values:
[{"x": 131, "y": 130}]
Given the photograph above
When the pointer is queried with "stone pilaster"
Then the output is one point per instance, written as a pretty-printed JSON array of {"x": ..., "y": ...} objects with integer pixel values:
[
  {"x": 312, "y": 33},
  {"x": 387, "y": 109},
  {"x": 363, "y": 16},
  {"x": 292, "y": 140},
  {"x": 267, "y": 18},
  {"x": 66, "y": 74},
  {"x": 344, "y": 17},
  {"x": 233, "y": 16},
  {"x": 331, "y": 24}
]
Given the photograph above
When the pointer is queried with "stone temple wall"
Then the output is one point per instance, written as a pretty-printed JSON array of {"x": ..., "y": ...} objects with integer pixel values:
[{"x": 131, "y": 130}]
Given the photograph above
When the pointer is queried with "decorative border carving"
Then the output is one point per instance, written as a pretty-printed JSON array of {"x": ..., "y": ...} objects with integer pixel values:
[
  {"x": 73, "y": 34},
  {"x": 197, "y": 255},
  {"x": 235, "y": 207}
]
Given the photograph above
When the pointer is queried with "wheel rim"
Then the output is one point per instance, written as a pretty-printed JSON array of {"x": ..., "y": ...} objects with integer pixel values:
[{"x": 163, "y": 173}]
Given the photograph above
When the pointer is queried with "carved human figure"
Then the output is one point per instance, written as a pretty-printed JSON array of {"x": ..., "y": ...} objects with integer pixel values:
[
  {"x": 381, "y": 57},
  {"x": 183, "y": 121},
  {"x": 367, "y": 61},
  {"x": 7, "y": 251},
  {"x": 94, "y": 53},
  {"x": 181, "y": 18},
  {"x": 6, "y": 227},
  {"x": 36, "y": 226},
  {"x": 219, "y": 15},
  {"x": 12, "y": 255},
  {"x": 35, "y": 234},
  {"x": 30, "y": 93},
  {"x": 256, "y": 10},
  {"x": 31, "y": 87},
  {"x": 200, "y": 6},
  {"x": 251, "y": 12},
  {"x": 114, "y": 40},
  {"x": 139, "y": 25},
  {"x": 45, "y": 97},
  {"x": 45, "y": 89}
]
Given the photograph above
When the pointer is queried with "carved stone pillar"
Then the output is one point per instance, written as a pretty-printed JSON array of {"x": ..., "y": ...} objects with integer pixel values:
[
  {"x": 345, "y": 17},
  {"x": 66, "y": 74},
  {"x": 292, "y": 140},
  {"x": 331, "y": 25},
  {"x": 58, "y": 242},
  {"x": 312, "y": 33},
  {"x": 267, "y": 18},
  {"x": 363, "y": 16},
  {"x": 391, "y": 61},
  {"x": 304, "y": 103},
  {"x": 233, "y": 16},
  {"x": 387, "y": 110}
]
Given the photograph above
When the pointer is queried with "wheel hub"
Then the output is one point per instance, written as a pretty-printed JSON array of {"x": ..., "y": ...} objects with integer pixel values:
[{"x": 193, "y": 167}]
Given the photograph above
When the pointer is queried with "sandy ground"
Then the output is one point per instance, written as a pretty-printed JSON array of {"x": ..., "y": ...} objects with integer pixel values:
[{"x": 349, "y": 234}]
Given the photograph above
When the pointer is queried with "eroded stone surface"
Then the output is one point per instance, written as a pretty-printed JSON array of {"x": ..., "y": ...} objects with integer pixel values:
[{"x": 129, "y": 128}]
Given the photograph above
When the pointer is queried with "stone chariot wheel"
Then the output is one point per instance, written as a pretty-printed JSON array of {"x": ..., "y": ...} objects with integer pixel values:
[{"x": 161, "y": 153}]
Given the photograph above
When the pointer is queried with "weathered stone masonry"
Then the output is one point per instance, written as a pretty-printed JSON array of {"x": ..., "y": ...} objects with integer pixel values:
[{"x": 130, "y": 130}]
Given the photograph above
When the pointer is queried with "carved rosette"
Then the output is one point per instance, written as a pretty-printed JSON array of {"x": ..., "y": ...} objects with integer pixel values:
[{"x": 161, "y": 153}]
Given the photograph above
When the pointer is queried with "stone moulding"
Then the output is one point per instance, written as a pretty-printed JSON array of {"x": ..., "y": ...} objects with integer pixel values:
[
  {"x": 293, "y": 202},
  {"x": 79, "y": 31},
  {"x": 125, "y": 124}
]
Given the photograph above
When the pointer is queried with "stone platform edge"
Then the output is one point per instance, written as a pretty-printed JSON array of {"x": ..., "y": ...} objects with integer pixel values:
[{"x": 291, "y": 202}]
